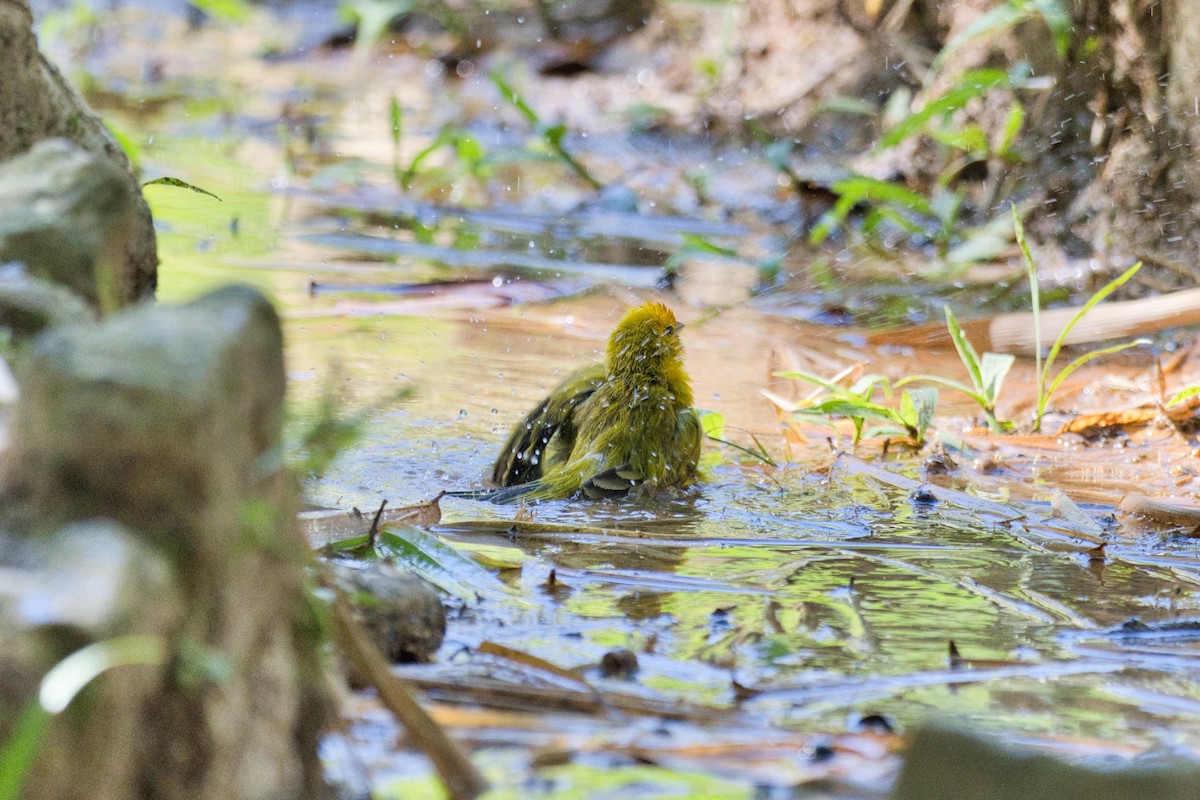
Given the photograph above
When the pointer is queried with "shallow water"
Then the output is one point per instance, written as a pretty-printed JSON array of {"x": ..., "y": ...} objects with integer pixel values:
[{"x": 823, "y": 589}]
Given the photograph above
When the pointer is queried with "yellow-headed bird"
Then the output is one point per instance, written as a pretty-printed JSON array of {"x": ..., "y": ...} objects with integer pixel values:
[{"x": 610, "y": 427}]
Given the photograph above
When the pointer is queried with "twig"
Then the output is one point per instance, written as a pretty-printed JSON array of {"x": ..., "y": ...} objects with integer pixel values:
[
  {"x": 1161, "y": 510},
  {"x": 373, "y": 533},
  {"x": 463, "y": 781}
]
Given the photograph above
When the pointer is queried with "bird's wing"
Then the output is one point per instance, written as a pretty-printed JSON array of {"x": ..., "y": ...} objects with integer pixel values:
[
  {"x": 523, "y": 457},
  {"x": 690, "y": 438},
  {"x": 612, "y": 483},
  {"x": 618, "y": 481}
]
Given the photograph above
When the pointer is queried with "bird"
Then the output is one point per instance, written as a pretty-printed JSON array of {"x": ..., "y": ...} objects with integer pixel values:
[{"x": 610, "y": 427}]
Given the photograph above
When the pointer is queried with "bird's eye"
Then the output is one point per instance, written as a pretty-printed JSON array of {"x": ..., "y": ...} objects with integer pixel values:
[{"x": 669, "y": 330}]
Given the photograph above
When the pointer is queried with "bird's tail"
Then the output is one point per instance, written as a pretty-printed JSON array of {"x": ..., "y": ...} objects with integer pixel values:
[{"x": 499, "y": 496}]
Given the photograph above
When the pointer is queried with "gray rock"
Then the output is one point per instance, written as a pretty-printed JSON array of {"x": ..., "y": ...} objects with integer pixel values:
[
  {"x": 160, "y": 418},
  {"x": 167, "y": 420},
  {"x": 400, "y": 611},
  {"x": 37, "y": 103},
  {"x": 93, "y": 582},
  {"x": 29, "y": 305},
  {"x": 65, "y": 214}
]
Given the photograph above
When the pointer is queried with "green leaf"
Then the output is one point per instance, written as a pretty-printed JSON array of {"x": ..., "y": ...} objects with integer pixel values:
[
  {"x": 440, "y": 564},
  {"x": 510, "y": 96},
  {"x": 176, "y": 182},
  {"x": 127, "y": 145},
  {"x": 969, "y": 139},
  {"x": 946, "y": 205},
  {"x": 712, "y": 423},
  {"x": 225, "y": 10},
  {"x": 373, "y": 18},
  {"x": 865, "y": 386},
  {"x": 879, "y": 214},
  {"x": 1002, "y": 16},
  {"x": 445, "y": 137},
  {"x": 831, "y": 220},
  {"x": 853, "y": 407},
  {"x": 862, "y": 188},
  {"x": 972, "y": 84},
  {"x": 554, "y": 134},
  {"x": 978, "y": 244},
  {"x": 468, "y": 150},
  {"x": 701, "y": 245},
  {"x": 908, "y": 411},
  {"x": 1012, "y": 126},
  {"x": 993, "y": 370},
  {"x": 357, "y": 547},
  {"x": 925, "y": 401},
  {"x": 1058, "y": 19},
  {"x": 396, "y": 118},
  {"x": 1184, "y": 394}
]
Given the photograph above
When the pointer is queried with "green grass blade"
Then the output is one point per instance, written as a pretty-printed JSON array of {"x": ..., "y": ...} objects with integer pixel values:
[
  {"x": 445, "y": 137},
  {"x": 809, "y": 377},
  {"x": 949, "y": 383},
  {"x": 966, "y": 352},
  {"x": 760, "y": 456},
  {"x": 19, "y": 751},
  {"x": 235, "y": 11},
  {"x": 864, "y": 387},
  {"x": 1085, "y": 358},
  {"x": 971, "y": 85},
  {"x": 510, "y": 96},
  {"x": 1104, "y": 292},
  {"x": 1012, "y": 127},
  {"x": 179, "y": 184},
  {"x": 1035, "y": 301},
  {"x": 853, "y": 407},
  {"x": 396, "y": 119},
  {"x": 1002, "y": 16},
  {"x": 763, "y": 454}
]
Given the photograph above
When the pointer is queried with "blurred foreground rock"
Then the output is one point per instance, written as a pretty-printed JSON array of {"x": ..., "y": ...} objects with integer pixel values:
[
  {"x": 37, "y": 103},
  {"x": 29, "y": 305},
  {"x": 66, "y": 215},
  {"x": 944, "y": 764},
  {"x": 144, "y": 493}
]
